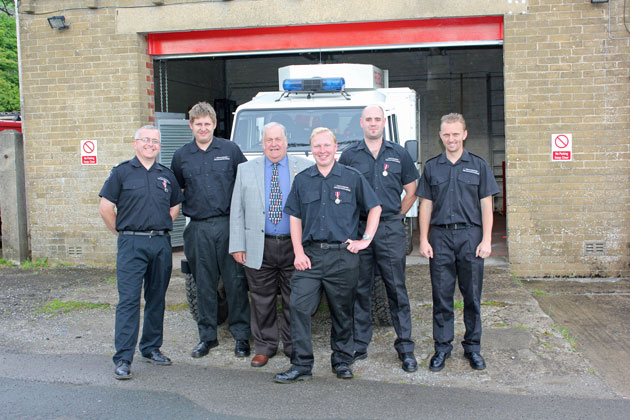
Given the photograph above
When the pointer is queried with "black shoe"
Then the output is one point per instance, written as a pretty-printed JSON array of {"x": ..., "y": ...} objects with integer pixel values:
[
  {"x": 409, "y": 362},
  {"x": 123, "y": 370},
  {"x": 343, "y": 371},
  {"x": 438, "y": 361},
  {"x": 359, "y": 355},
  {"x": 476, "y": 361},
  {"x": 156, "y": 357},
  {"x": 203, "y": 348},
  {"x": 242, "y": 348},
  {"x": 291, "y": 375}
]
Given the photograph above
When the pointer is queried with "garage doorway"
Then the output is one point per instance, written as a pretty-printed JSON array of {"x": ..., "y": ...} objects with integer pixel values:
[{"x": 465, "y": 77}]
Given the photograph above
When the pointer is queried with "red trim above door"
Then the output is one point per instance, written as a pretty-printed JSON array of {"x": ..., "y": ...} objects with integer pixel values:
[{"x": 399, "y": 32}]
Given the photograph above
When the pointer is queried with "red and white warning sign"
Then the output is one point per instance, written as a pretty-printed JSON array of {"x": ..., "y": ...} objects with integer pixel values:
[
  {"x": 561, "y": 147},
  {"x": 88, "y": 152}
]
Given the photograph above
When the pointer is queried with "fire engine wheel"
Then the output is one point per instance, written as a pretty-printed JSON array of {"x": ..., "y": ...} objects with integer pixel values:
[
  {"x": 381, "y": 316},
  {"x": 191, "y": 297}
]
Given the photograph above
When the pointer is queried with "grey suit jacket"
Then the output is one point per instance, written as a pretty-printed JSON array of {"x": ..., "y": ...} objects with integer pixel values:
[{"x": 248, "y": 212}]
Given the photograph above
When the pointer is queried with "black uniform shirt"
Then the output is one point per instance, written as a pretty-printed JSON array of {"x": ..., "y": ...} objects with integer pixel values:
[
  {"x": 143, "y": 198},
  {"x": 456, "y": 189},
  {"x": 329, "y": 207},
  {"x": 207, "y": 177},
  {"x": 392, "y": 159}
]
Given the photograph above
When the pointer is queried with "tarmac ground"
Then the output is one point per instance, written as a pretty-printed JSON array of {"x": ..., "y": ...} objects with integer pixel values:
[{"x": 540, "y": 337}]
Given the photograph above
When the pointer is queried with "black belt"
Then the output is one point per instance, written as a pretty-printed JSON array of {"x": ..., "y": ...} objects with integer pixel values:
[
  {"x": 386, "y": 218},
  {"x": 455, "y": 226},
  {"x": 209, "y": 218},
  {"x": 279, "y": 237},
  {"x": 326, "y": 245},
  {"x": 145, "y": 233}
]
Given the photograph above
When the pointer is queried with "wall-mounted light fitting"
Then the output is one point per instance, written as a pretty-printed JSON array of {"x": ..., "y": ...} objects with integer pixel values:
[
  {"x": 599, "y": 1},
  {"x": 58, "y": 22}
]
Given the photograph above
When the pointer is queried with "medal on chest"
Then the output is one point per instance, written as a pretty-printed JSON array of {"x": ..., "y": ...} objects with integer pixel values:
[
  {"x": 337, "y": 199},
  {"x": 385, "y": 167},
  {"x": 164, "y": 184}
]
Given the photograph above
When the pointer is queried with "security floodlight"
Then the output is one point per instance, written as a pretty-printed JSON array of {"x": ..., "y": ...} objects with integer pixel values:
[{"x": 58, "y": 22}]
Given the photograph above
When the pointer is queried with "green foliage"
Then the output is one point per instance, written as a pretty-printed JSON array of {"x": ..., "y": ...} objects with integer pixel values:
[
  {"x": 493, "y": 303},
  {"x": 6, "y": 263},
  {"x": 458, "y": 304},
  {"x": 56, "y": 306},
  {"x": 28, "y": 264},
  {"x": 516, "y": 279},
  {"x": 9, "y": 78},
  {"x": 182, "y": 306},
  {"x": 567, "y": 336},
  {"x": 7, "y": 7}
]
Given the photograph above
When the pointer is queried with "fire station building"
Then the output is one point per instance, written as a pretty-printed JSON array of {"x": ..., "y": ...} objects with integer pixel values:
[{"x": 544, "y": 86}]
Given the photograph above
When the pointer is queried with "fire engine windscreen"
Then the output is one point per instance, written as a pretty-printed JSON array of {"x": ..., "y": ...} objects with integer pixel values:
[{"x": 299, "y": 122}]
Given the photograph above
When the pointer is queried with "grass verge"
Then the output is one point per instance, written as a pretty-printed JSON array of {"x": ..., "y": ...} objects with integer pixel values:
[{"x": 56, "y": 306}]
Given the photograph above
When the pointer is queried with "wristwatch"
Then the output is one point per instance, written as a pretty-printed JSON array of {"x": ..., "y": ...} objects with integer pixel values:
[{"x": 366, "y": 236}]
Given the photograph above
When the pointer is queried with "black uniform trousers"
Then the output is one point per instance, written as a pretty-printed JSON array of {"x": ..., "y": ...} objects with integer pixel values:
[
  {"x": 454, "y": 257},
  {"x": 273, "y": 275},
  {"x": 139, "y": 258},
  {"x": 206, "y": 249},
  {"x": 387, "y": 251},
  {"x": 335, "y": 272}
]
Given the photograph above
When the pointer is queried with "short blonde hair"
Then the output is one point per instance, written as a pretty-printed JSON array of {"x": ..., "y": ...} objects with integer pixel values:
[
  {"x": 202, "y": 109},
  {"x": 320, "y": 130},
  {"x": 451, "y": 118}
]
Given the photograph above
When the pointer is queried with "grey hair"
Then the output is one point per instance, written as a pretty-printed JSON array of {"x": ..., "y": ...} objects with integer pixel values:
[
  {"x": 273, "y": 124},
  {"x": 146, "y": 127}
]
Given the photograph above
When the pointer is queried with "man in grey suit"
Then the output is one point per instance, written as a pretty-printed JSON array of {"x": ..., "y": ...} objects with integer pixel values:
[{"x": 260, "y": 237}]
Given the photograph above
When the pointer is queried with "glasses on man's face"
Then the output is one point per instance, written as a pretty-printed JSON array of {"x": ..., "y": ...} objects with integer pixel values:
[{"x": 147, "y": 140}]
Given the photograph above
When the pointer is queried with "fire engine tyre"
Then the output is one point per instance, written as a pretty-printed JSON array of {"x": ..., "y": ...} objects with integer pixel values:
[
  {"x": 191, "y": 297},
  {"x": 381, "y": 317},
  {"x": 408, "y": 235}
]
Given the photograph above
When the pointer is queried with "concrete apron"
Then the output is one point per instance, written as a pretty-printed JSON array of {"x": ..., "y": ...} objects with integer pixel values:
[
  {"x": 594, "y": 313},
  {"x": 524, "y": 352}
]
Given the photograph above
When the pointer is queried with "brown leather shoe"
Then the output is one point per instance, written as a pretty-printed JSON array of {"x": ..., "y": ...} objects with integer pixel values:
[{"x": 259, "y": 360}]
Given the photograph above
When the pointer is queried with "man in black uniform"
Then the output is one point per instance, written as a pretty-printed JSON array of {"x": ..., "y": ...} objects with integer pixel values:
[
  {"x": 206, "y": 169},
  {"x": 456, "y": 189},
  {"x": 389, "y": 169},
  {"x": 139, "y": 201},
  {"x": 324, "y": 206}
]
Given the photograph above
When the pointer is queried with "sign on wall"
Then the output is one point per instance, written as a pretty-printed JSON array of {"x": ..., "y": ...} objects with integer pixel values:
[
  {"x": 88, "y": 152},
  {"x": 561, "y": 147}
]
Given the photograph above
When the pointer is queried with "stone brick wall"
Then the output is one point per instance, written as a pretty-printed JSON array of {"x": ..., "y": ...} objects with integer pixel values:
[
  {"x": 565, "y": 73},
  {"x": 83, "y": 83}
]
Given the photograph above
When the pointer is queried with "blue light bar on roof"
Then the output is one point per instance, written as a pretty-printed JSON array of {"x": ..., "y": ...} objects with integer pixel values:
[{"x": 318, "y": 84}]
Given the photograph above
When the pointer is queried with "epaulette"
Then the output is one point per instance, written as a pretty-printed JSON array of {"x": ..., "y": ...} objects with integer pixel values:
[
  {"x": 165, "y": 167},
  {"x": 121, "y": 163},
  {"x": 351, "y": 168},
  {"x": 433, "y": 158},
  {"x": 478, "y": 157},
  {"x": 352, "y": 144}
]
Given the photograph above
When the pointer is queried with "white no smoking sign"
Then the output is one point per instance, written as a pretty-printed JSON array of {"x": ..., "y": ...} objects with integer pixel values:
[
  {"x": 561, "y": 147},
  {"x": 88, "y": 152}
]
